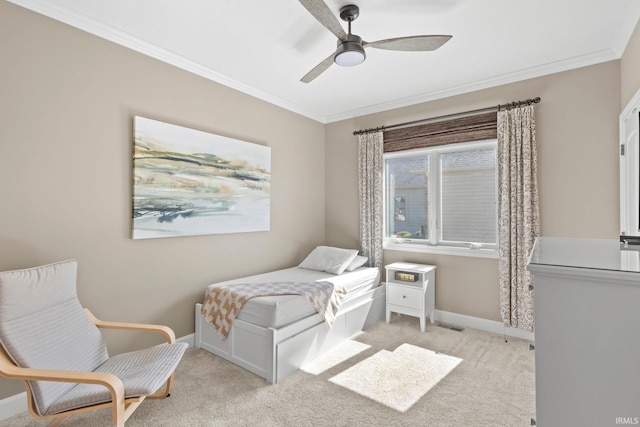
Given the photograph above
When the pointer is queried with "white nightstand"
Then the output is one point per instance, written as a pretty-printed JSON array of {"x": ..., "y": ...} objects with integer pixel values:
[{"x": 411, "y": 290}]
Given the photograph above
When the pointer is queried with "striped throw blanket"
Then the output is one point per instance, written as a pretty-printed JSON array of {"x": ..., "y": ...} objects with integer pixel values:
[{"x": 223, "y": 303}]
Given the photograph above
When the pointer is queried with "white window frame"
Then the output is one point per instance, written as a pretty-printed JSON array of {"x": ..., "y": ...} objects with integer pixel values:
[{"x": 433, "y": 245}]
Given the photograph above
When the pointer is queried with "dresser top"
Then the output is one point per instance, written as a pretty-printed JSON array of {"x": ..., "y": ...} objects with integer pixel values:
[{"x": 596, "y": 254}]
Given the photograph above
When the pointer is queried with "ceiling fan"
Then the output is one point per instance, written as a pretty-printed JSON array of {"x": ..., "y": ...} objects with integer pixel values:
[{"x": 350, "y": 50}]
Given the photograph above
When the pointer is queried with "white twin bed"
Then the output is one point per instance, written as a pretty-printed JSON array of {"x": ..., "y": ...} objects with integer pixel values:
[{"x": 273, "y": 336}]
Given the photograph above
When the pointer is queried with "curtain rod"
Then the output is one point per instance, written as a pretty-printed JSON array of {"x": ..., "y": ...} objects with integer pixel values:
[{"x": 447, "y": 116}]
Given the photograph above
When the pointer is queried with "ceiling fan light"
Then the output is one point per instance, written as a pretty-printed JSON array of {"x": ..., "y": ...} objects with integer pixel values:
[
  {"x": 350, "y": 52},
  {"x": 349, "y": 58}
]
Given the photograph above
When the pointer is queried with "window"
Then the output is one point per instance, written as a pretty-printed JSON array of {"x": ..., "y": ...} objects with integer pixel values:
[{"x": 442, "y": 197}]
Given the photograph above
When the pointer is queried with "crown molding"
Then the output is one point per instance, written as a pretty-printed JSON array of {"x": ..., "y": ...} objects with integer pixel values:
[
  {"x": 627, "y": 29},
  {"x": 516, "y": 76},
  {"x": 114, "y": 35},
  {"x": 124, "y": 39}
]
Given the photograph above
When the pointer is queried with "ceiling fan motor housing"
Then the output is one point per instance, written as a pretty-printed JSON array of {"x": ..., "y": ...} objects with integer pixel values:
[{"x": 350, "y": 52}]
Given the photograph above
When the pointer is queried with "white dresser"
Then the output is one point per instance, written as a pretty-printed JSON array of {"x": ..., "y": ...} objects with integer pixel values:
[{"x": 587, "y": 332}]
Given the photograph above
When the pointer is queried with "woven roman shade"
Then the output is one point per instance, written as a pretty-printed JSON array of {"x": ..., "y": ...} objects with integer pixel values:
[{"x": 462, "y": 129}]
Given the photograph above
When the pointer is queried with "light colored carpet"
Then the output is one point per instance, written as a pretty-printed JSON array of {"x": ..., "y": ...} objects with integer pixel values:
[{"x": 491, "y": 384}]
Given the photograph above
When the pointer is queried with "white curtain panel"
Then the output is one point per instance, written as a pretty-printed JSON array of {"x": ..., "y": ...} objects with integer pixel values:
[
  {"x": 370, "y": 190},
  {"x": 518, "y": 213}
]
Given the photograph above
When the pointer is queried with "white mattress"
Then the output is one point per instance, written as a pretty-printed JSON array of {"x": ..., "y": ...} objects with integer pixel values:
[{"x": 280, "y": 310}]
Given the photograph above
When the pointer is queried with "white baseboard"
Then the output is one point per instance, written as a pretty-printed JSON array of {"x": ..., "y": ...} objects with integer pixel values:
[
  {"x": 492, "y": 326},
  {"x": 189, "y": 339},
  {"x": 17, "y": 404},
  {"x": 13, "y": 405}
]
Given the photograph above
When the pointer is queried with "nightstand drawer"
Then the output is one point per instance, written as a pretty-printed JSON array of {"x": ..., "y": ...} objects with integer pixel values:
[{"x": 405, "y": 296}]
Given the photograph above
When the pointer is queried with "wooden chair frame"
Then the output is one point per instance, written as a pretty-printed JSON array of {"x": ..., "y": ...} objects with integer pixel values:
[{"x": 121, "y": 408}]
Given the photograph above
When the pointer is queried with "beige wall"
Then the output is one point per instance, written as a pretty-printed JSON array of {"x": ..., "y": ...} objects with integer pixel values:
[
  {"x": 577, "y": 134},
  {"x": 66, "y": 108}
]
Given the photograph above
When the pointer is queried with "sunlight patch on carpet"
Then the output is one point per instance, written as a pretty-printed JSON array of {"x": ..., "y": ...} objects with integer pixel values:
[
  {"x": 344, "y": 351},
  {"x": 398, "y": 378}
]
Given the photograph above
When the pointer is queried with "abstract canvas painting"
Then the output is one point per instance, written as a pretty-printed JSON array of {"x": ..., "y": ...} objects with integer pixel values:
[{"x": 187, "y": 182}]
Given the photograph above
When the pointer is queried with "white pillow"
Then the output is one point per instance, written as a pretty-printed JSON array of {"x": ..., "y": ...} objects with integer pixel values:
[
  {"x": 357, "y": 262},
  {"x": 329, "y": 259}
]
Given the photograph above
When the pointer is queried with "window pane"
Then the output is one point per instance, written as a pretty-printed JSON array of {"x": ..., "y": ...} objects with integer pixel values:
[
  {"x": 468, "y": 196},
  {"x": 407, "y": 193}
]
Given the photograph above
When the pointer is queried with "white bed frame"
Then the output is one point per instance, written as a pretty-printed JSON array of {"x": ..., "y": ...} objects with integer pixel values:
[{"x": 275, "y": 353}]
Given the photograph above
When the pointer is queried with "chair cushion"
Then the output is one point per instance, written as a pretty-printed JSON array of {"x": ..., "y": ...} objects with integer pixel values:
[
  {"x": 43, "y": 325},
  {"x": 142, "y": 373}
]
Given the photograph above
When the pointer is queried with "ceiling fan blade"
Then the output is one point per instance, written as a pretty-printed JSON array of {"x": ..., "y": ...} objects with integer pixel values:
[
  {"x": 318, "y": 69},
  {"x": 323, "y": 14},
  {"x": 411, "y": 43}
]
